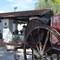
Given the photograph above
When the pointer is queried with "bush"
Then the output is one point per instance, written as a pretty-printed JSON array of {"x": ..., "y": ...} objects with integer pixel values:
[{"x": 15, "y": 38}]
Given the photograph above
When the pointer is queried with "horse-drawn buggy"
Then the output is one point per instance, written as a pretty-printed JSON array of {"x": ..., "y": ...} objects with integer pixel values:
[{"x": 42, "y": 35}]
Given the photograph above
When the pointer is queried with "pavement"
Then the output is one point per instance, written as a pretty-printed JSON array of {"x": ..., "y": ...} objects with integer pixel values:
[
  {"x": 16, "y": 55},
  {"x": 12, "y": 55},
  {"x": 5, "y": 55}
]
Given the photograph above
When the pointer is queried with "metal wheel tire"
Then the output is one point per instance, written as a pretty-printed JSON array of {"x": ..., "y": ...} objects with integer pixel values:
[{"x": 41, "y": 50}]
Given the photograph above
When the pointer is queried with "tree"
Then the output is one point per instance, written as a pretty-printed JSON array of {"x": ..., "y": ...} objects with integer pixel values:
[{"x": 53, "y": 4}]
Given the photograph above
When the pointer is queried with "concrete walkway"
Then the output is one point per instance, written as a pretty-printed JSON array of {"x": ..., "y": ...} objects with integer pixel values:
[
  {"x": 19, "y": 55},
  {"x": 6, "y": 55}
]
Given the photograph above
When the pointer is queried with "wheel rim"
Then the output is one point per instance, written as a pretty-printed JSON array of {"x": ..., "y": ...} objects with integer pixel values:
[
  {"x": 39, "y": 48},
  {"x": 41, "y": 51}
]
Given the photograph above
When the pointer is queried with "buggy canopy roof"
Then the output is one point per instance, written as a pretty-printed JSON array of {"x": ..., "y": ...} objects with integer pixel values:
[{"x": 24, "y": 15}]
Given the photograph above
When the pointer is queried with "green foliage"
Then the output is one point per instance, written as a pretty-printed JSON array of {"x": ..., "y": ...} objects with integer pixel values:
[
  {"x": 15, "y": 38},
  {"x": 51, "y": 0},
  {"x": 56, "y": 1},
  {"x": 53, "y": 4}
]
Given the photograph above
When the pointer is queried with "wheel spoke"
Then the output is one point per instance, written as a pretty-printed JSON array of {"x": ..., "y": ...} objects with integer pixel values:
[
  {"x": 38, "y": 49},
  {"x": 48, "y": 49},
  {"x": 38, "y": 36},
  {"x": 32, "y": 37},
  {"x": 46, "y": 41},
  {"x": 39, "y": 40}
]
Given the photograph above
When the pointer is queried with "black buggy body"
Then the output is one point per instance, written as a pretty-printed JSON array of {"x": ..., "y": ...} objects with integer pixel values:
[{"x": 38, "y": 35}]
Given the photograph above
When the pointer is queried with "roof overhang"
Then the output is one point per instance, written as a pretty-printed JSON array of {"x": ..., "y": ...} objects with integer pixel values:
[{"x": 24, "y": 13}]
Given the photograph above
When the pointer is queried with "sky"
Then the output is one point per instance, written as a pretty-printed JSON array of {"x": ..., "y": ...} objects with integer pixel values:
[{"x": 22, "y": 5}]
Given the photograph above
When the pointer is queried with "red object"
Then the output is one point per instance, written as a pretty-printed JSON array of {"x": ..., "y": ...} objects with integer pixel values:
[{"x": 55, "y": 23}]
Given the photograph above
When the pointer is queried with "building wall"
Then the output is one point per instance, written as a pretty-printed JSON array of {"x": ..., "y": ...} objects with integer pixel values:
[
  {"x": 7, "y": 30},
  {"x": 1, "y": 26},
  {"x": 11, "y": 25},
  {"x": 7, "y": 27}
]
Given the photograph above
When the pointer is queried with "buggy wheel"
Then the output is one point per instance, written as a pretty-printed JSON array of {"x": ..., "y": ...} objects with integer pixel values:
[{"x": 38, "y": 39}]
